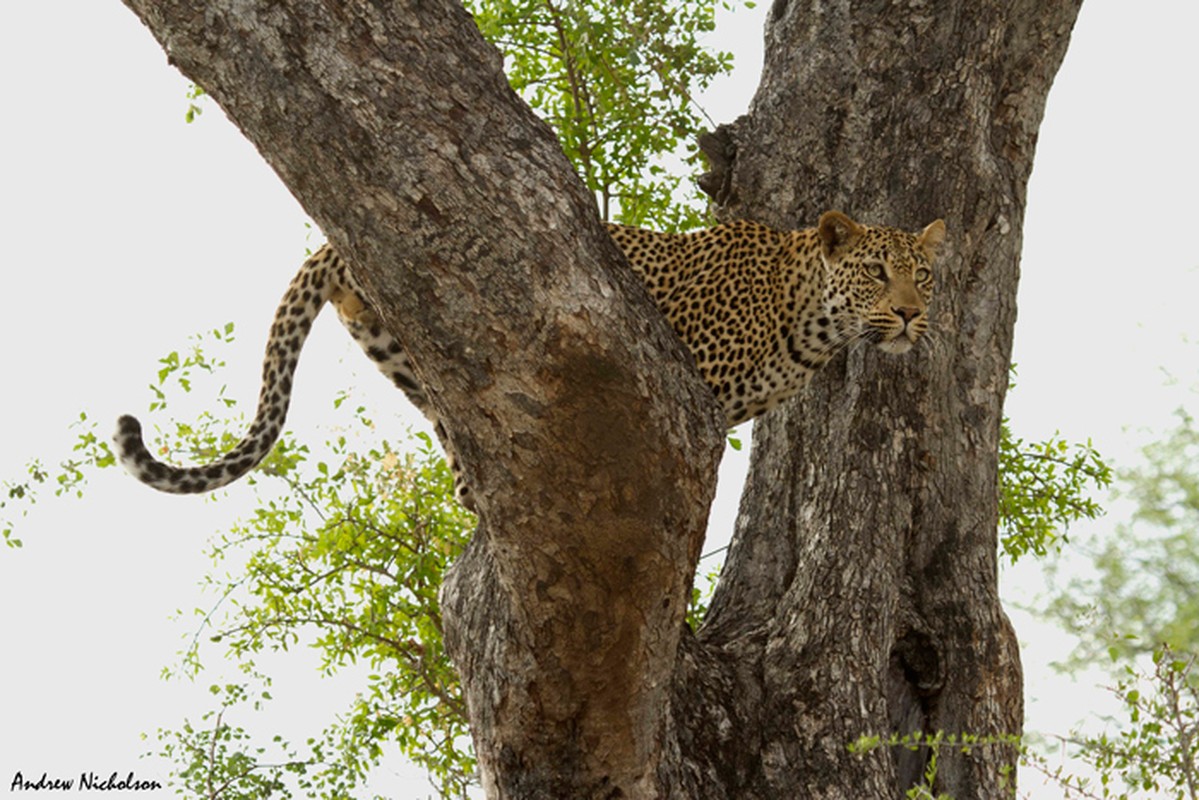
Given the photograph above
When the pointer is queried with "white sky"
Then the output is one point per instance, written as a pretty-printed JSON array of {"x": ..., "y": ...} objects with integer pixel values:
[{"x": 129, "y": 231}]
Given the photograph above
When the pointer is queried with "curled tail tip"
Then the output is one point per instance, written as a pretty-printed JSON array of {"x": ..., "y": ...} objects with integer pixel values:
[
  {"x": 141, "y": 464},
  {"x": 132, "y": 452},
  {"x": 128, "y": 437}
]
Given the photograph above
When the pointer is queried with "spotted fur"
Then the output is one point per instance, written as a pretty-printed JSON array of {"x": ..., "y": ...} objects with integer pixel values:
[
  {"x": 324, "y": 278},
  {"x": 760, "y": 310}
]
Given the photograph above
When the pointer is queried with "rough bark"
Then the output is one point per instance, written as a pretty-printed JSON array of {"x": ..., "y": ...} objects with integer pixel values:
[
  {"x": 860, "y": 594},
  {"x": 862, "y": 581},
  {"x": 560, "y": 384}
]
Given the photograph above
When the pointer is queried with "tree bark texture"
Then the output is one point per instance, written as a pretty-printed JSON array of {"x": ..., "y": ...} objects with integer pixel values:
[
  {"x": 860, "y": 593},
  {"x": 862, "y": 581}
]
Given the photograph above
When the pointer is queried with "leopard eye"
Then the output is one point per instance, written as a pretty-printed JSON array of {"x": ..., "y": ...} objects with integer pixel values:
[
  {"x": 923, "y": 275},
  {"x": 876, "y": 271}
]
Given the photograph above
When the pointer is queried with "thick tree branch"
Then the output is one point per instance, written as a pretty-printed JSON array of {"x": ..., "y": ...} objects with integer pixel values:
[{"x": 564, "y": 392}]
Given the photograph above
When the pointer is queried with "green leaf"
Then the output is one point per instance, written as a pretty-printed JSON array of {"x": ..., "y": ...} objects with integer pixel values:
[{"x": 1043, "y": 488}]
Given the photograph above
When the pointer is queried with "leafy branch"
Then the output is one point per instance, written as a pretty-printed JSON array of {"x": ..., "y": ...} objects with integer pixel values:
[{"x": 1043, "y": 488}]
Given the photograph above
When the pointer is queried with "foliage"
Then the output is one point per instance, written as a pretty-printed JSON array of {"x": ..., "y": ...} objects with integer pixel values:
[
  {"x": 1156, "y": 750},
  {"x": 91, "y": 450},
  {"x": 1141, "y": 591},
  {"x": 217, "y": 760},
  {"x": 1043, "y": 487},
  {"x": 69, "y": 480},
  {"x": 701, "y": 595},
  {"x": 1159, "y": 750},
  {"x": 1138, "y": 607},
  {"x": 617, "y": 82},
  {"x": 349, "y": 561},
  {"x": 933, "y": 745},
  {"x": 194, "y": 109},
  {"x": 353, "y": 556},
  {"x": 365, "y": 579}
]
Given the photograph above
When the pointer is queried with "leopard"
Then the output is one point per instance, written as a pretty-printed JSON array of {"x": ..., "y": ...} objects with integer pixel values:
[{"x": 760, "y": 310}]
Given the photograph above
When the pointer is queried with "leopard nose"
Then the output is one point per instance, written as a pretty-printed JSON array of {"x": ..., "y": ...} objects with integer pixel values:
[{"x": 906, "y": 313}]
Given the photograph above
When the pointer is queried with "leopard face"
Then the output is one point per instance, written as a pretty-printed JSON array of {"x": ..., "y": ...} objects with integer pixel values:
[{"x": 880, "y": 280}]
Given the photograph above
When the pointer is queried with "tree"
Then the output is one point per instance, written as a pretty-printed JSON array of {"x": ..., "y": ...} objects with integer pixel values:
[
  {"x": 870, "y": 604},
  {"x": 347, "y": 560},
  {"x": 1155, "y": 747},
  {"x": 1141, "y": 592},
  {"x": 869, "y": 598},
  {"x": 1136, "y": 611}
]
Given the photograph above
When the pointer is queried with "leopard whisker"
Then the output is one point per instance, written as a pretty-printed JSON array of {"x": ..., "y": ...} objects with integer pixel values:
[{"x": 833, "y": 348}]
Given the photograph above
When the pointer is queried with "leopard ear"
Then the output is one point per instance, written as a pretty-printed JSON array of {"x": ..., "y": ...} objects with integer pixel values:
[
  {"x": 931, "y": 237},
  {"x": 837, "y": 233}
]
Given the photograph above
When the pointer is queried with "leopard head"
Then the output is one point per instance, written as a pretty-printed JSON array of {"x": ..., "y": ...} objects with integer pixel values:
[{"x": 879, "y": 281}]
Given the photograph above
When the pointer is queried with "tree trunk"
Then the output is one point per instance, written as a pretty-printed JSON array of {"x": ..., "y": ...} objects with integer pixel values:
[{"x": 860, "y": 593}]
